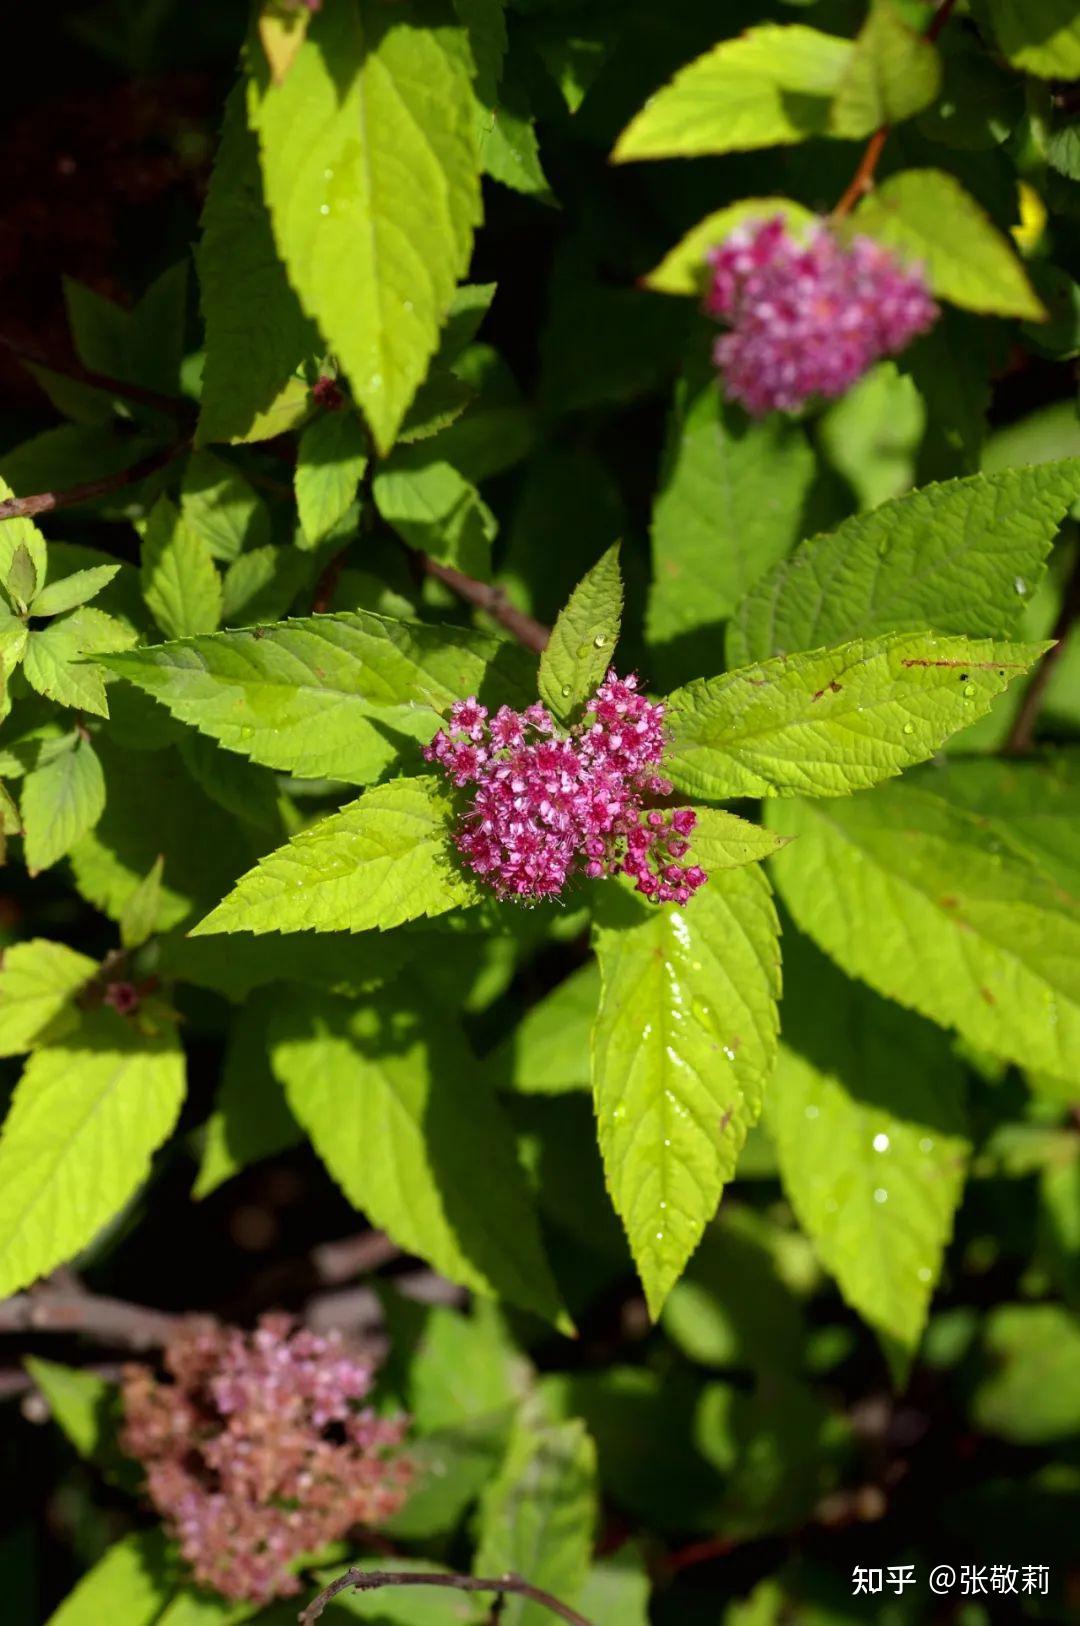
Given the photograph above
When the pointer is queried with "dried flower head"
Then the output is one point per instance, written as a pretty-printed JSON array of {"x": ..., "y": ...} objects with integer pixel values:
[
  {"x": 257, "y": 1450},
  {"x": 546, "y": 805},
  {"x": 808, "y": 316}
]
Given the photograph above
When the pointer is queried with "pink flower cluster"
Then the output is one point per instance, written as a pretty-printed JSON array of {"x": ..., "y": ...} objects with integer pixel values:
[
  {"x": 546, "y": 805},
  {"x": 257, "y": 1450},
  {"x": 807, "y": 317}
]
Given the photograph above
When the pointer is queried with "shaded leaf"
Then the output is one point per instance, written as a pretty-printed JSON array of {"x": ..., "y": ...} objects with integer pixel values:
[{"x": 388, "y": 1073}]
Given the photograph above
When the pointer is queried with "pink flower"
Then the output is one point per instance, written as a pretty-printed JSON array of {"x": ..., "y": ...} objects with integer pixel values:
[
  {"x": 807, "y": 317},
  {"x": 546, "y": 806},
  {"x": 257, "y": 1450}
]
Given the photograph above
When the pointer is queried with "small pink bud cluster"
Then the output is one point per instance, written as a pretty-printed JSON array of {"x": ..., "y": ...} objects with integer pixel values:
[
  {"x": 257, "y": 1450},
  {"x": 546, "y": 805},
  {"x": 807, "y": 317}
]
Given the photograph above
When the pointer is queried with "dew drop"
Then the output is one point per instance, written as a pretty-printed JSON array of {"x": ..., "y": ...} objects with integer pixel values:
[
  {"x": 659, "y": 1236},
  {"x": 926, "y": 1144},
  {"x": 375, "y": 381},
  {"x": 969, "y": 691},
  {"x": 600, "y": 640},
  {"x": 324, "y": 208},
  {"x": 1020, "y": 586},
  {"x": 729, "y": 1053},
  {"x": 909, "y": 728},
  {"x": 881, "y": 1143},
  {"x": 812, "y": 1112},
  {"x": 881, "y": 1195},
  {"x": 924, "y": 1273},
  {"x": 566, "y": 691}
]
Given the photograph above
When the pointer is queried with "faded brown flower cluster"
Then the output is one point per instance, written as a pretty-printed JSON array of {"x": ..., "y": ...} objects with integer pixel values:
[{"x": 258, "y": 1450}]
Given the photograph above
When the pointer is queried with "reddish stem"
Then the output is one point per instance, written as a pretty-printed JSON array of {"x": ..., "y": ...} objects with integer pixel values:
[{"x": 863, "y": 179}]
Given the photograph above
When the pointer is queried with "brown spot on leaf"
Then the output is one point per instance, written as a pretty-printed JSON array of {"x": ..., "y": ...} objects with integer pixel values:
[
  {"x": 830, "y": 688},
  {"x": 991, "y": 999}
]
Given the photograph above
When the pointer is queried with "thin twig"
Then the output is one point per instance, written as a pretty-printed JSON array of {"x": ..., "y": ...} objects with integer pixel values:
[
  {"x": 43, "y": 502},
  {"x": 863, "y": 179},
  {"x": 1022, "y": 731},
  {"x": 492, "y": 600},
  {"x": 372, "y": 1580},
  {"x": 173, "y": 406},
  {"x": 66, "y": 1309}
]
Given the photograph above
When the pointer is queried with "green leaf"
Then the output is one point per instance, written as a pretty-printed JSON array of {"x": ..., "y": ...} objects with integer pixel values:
[
  {"x": 154, "y": 806},
  {"x": 73, "y": 590},
  {"x": 142, "y": 908},
  {"x": 333, "y": 696},
  {"x": 38, "y": 981},
  {"x": 1030, "y": 1393},
  {"x": 835, "y": 720},
  {"x": 330, "y": 463},
  {"x": 867, "y": 1113},
  {"x": 871, "y": 436},
  {"x": 511, "y": 152},
  {"x": 732, "y": 1307},
  {"x": 16, "y": 533},
  {"x": 335, "y": 962},
  {"x": 244, "y": 789},
  {"x": 435, "y": 508},
  {"x": 926, "y": 216},
  {"x": 179, "y": 580},
  {"x": 728, "y": 506},
  {"x": 960, "y": 557},
  {"x": 1042, "y": 36},
  {"x": 55, "y": 663},
  {"x": 547, "y": 1052},
  {"x": 391, "y": 1074},
  {"x": 721, "y": 840},
  {"x": 384, "y": 859},
  {"x": 616, "y": 1591},
  {"x": 372, "y": 180},
  {"x": 684, "y": 1041},
  {"x": 893, "y": 73},
  {"x": 222, "y": 507},
  {"x": 257, "y": 336},
  {"x": 583, "y": 639},
  {"x": 251, "y": 1118},
  {"x": 260, "y": 586},
  {"x": 85, "y": 1118},
  {"x": 998, "y": 936},
  {"x": 537, "y": 1516},
  {"x": 1030, "y": 806},
  {"x": 131, "y": 1583},
  {"x": 684, "y": 269},
  {"x": 78, "y": 1401},
  {"x": 771, "y": 86},
  {"x": 141, "y": 346},
  {"x": 60, "y": 802},
  {"x": 21, "y": 581},
  {"x": 459, "y": 1366}
]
